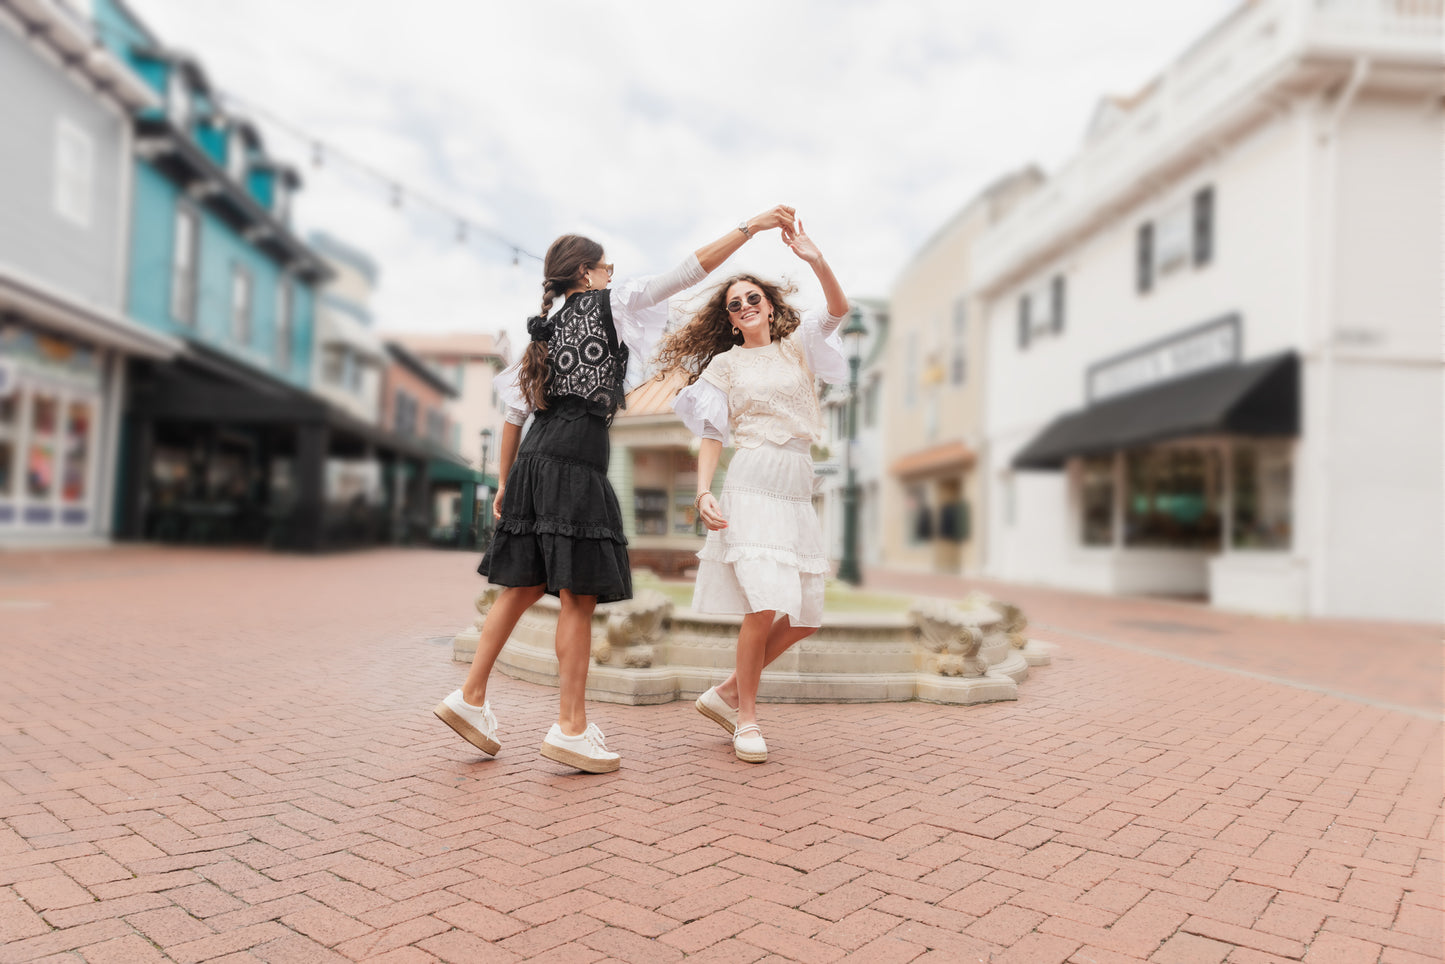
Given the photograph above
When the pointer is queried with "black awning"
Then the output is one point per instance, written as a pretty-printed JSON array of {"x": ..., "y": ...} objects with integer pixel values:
[{"x": 1260, "y": 398}]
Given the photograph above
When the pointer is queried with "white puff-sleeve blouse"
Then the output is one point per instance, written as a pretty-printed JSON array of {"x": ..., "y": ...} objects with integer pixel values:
[
  {"x": 707, "y": 406},
  {"x": 639, "y": 313}
]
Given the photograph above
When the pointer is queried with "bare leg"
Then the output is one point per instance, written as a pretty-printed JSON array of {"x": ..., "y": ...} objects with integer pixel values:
[
  {"x": 752, "y": 653},
  {"x": 574, "y": 652},
  {"x": 781, "y": 635},
  {"x": 496, "y": 630}
]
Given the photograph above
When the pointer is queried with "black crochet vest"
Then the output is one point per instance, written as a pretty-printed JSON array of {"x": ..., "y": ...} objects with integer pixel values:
[{"x": 588, "y": 364}]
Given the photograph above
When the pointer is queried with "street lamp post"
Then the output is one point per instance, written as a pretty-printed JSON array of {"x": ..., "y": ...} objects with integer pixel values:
[
  {"x": 848, "y": 570},
  {"x": 484, "y": 521}
]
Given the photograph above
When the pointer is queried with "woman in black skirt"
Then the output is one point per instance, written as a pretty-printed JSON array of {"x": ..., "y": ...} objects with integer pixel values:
[{"x": 559, "y": 527}]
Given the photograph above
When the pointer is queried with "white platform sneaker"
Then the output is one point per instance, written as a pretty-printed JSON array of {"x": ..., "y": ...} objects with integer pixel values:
[
  {"x": 715, "y": 708},
  {"x": 749, "y": 745},
  {"x": 475, "y": 724},
  {"x": 587, "y": 751}
]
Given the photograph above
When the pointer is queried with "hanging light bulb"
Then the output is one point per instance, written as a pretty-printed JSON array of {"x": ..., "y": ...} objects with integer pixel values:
[
  {"x": 396, "y": 195},
  {"x": 318, "y": 156},
  {"x": 462, "y": 231},
  {"x": 516, "y": 257}
]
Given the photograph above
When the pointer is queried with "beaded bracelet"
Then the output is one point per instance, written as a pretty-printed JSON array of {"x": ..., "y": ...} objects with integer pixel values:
[{"x": 697, "y": 503}]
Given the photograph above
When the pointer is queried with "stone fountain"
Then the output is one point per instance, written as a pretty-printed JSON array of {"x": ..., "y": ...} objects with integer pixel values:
[{"x": 644, "y": 650}]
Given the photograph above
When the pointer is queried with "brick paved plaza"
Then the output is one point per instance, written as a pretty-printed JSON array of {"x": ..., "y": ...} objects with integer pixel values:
[{"x": 231, "y": 756}]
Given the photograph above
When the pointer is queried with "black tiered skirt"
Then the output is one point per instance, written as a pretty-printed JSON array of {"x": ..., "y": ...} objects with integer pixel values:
[{"x": 561, "y": 525}]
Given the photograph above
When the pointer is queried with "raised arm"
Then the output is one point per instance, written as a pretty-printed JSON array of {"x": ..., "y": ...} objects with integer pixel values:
[
  {"x": 807, "y": 249},
  {"x": 715, "y": 253}
]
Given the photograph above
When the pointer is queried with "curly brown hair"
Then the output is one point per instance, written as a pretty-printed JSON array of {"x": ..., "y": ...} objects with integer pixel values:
[
  {"x": 562, "y": 268},
  {"x": 710, "y": 331}
]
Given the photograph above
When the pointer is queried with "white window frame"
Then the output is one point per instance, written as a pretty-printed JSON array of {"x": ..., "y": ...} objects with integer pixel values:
[
  {"x": 285, "y": 308},
  {"x": 74, "y": 172},
  {"x": 185, "y": 265},
  {"x": 1041, "y": 309},
  {"x": 1174, "y": 238},
  {"x": 243, "y": 300},
  {"x": 910, "y": 371},
  {"x": 236, "y": 155},
  {"x": 958, "y": 352},
  {"x": 22, "y": 436},
  {"x": 178, "y": 98},
  {"x": 280, "y": 199}
]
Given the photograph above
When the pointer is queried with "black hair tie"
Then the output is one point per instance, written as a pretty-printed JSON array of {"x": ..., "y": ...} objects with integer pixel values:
[{"x": 539, "y": 328}]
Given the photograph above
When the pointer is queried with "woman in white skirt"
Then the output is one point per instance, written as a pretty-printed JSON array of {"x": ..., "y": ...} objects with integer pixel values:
[{"x": 752, "y": 360}]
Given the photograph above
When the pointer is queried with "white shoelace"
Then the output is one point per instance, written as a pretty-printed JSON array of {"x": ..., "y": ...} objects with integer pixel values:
[{"x": 594, "y": 736}]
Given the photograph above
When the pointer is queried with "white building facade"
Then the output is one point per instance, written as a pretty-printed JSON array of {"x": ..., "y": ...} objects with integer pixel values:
[{"x": 1214, "y": 336}]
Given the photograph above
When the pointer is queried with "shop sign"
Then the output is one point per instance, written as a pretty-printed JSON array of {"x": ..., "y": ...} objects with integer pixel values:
[
  {"x": 28, "y": 355},
  {"x": 1210, "y": 345}
]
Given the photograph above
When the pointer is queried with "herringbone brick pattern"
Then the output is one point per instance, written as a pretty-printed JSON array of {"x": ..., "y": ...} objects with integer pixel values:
[{"x": 232, "y": 757}]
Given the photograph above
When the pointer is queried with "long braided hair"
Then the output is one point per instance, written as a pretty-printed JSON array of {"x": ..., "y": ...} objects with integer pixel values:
[
  {"x": 562, "y": 268},
  {"x": 709, "y": 333}
]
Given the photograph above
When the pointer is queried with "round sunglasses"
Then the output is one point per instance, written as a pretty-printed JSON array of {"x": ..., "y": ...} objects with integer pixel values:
[{"x": 754, "y": 299}]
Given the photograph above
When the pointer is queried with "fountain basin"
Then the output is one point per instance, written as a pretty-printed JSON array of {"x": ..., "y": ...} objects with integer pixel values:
[{"x": 646, "y": 651}]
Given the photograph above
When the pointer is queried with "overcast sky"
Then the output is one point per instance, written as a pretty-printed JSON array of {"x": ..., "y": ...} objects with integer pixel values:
[{"x": 656, "y": 126}]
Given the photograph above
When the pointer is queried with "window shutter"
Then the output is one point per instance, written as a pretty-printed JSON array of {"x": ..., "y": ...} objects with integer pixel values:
[
  {"x": 1023, "y": 322},
  {"x": 1203, "y": 226},
  {"x": 1056, "y": 294},
  {"x": 1144, "y": 274}
]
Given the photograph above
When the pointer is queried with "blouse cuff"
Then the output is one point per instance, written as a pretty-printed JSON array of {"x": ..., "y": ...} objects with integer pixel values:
[
  {"x": 823, "y": 347},
  {"x": 703, "y": 408},
  {"x": 508, "y": 385}
]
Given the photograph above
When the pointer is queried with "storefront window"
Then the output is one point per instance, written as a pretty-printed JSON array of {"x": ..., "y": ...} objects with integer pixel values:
[
  {"x": 685, "y": 518},
  {"x": 9, "y": 412},
  {"x": 650, "y": 506},
  {"x": 920, "y": 516},
  {"x": 1096, "y": 497},
  {"x": 1172, "y": 498},
  {"x": 1263, "y": 480},
  {"x": 77, "y": 450},
  {"x": 40, "y": 464},
  {"x": 7, "y": 468},
  {"x": 40, "y": 474},
  {"x": 45, "y": 412}
]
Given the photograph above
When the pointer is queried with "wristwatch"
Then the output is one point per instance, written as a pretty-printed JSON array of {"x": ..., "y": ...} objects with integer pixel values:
[{"x": 743, "y": 227}]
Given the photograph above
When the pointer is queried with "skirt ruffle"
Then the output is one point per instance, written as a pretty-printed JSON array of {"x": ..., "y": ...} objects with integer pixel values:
[
  {"x": 561, "y": 524},
  {"x": 771, "y": 555}
]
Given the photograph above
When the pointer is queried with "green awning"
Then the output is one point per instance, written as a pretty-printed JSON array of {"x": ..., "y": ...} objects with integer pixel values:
[{"x": 446, "y": 470}]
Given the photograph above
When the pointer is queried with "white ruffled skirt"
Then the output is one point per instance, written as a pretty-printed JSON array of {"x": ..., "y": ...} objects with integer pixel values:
[{"x": 771, "y": 554}]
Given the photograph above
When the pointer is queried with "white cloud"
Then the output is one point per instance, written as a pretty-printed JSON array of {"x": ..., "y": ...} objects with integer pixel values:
[{"x": 656, "y": 126}]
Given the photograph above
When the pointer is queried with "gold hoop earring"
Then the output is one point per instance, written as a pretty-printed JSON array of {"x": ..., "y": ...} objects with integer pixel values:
[{"x": 737, "y": 330}]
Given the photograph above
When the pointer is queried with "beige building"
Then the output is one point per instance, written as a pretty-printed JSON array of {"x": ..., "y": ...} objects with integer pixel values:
[
  {"x": 654, "y": 472},
  {"x": 933, "y": 396},
  {"x": 468, "y": 362}
]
